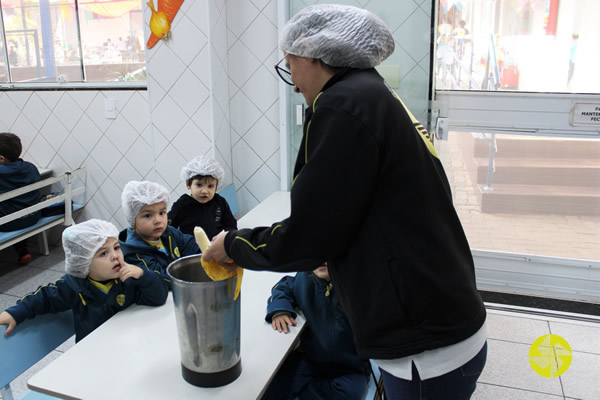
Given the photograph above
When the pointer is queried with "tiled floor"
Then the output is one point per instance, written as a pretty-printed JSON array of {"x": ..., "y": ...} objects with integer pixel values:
[{"x": 511, "y": 331}]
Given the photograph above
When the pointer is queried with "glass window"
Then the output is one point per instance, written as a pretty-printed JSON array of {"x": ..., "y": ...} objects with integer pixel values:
[
  {"x": 73, "y": 41},
  {"x": 526, "y": 194},
  {"x": 518, "y": 45}
]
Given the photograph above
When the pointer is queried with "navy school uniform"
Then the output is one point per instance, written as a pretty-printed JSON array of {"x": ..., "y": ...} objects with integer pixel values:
[
  {"x": 93, "y": 303},
  {"x": 141, "y": 253},
  {"x": 13, "y": 176},
  {"x": 327, "y": 365},
  {"x": 213, "y": 216}
]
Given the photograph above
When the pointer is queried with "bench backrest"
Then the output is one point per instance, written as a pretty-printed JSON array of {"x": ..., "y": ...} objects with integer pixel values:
[
  {"x": 66, "y": 196},
  {"x": 230, "y": 195},
  {"x": 32, "y": 340}
]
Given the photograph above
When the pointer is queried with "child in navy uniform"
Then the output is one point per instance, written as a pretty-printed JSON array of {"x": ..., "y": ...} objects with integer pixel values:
[
  {"x": 203, "y": 207},
  {"x": 327, "y": 365},
  {"x": 16, "y": 173},
  {"x": 149, "y": 241},
  {"x": 98, "y": 283}
]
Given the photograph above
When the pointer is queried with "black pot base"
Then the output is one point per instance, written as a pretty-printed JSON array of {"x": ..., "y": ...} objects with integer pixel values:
[{"x": 214, "y": 379}]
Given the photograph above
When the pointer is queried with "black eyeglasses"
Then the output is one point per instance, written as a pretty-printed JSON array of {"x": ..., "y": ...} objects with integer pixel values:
[{"x": 283, "y": 73}]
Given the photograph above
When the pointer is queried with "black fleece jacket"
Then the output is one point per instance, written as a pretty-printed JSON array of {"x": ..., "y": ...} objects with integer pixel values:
[
  {"x": 214, "y": 216},
  {"x": 371, "y": 197}
]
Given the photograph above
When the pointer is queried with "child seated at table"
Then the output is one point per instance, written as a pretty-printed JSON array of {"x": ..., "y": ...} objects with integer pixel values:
[
  {"x": 16, "y": 173},
  {"x": 203, "y": 206},
  {"x": 149, "y": 241},
  {"x": 326, "y": 364},
  {"x": 98, "y": 283}
]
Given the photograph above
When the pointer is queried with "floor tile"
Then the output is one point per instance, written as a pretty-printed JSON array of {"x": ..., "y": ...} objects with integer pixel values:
[
  {"x": 8, "y": 256},
  {"x": 585, "y": 338},
  {"x": 67, "y": 344},
  {"x": 493, "y": 392},
  {"x": 55, "y": 260},
  {"x": 581, "y": 379},
  {"x": 7, "y": 300},
  {"x": 29, "y": 280},
  {"x": 517, "y": 329},
  {"x": 508, "y": 365},
  {"x": 10, "y": 274}
]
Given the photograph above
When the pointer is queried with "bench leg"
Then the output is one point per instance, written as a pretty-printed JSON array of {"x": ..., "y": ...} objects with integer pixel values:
[
  {"x": 6, "y": 393},
  {"x": 43, "y": 242}
]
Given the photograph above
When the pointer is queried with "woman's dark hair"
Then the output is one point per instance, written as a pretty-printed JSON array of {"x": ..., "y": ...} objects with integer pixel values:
[{"x": 10, "y": 146}]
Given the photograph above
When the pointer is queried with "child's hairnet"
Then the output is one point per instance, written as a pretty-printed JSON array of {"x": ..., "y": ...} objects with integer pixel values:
[
  {"x": 202, "y": 165},
  {"x": 340, "y": 36},
  {"x": 82, "y": 241},
  {"x": 138, "y": 194}
]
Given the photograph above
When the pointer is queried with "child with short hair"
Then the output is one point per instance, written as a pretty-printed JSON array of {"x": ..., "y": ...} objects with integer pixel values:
[
  {"x": 149, "y": 240},
  {"x": 16, "y": 173},
  {"x": 98, "y": 283},
  {"x": 203, "y": 206},
  {"x": 327, "y": 365}
]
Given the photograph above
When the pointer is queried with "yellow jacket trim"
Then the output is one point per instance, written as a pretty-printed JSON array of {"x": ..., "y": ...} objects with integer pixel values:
[
  {"x": 250, "y": 244},
  {"x": 38, "y": 289},
  {"x": 103, "y": 287},
  {"x": 82, "y": 299},
  {"x": 420, "y": 128}
]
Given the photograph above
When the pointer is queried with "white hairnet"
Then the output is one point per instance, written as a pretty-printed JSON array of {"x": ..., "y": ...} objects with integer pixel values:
[
  {"x": 82, "y": 241},
  {"x": 340, "y": 36},
  {"x": 202, "y": 165},
  {"x": 138, "y": 194}
]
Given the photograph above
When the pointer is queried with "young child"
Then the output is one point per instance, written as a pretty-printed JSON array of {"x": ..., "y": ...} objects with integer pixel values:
[
  {"x": 16, "y": 173},
  {"x": 327, "y": 365},
  {"x": 203, "y": 207},
  {"x": 98, "y": 283},
  {"x": 149, "y": 240}
]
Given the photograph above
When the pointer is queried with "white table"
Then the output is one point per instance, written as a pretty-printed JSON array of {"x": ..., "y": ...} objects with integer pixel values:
[{"x": 135, "y": 354}]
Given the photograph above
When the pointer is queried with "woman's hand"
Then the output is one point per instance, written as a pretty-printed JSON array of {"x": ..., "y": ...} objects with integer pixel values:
[{"x": 217, "y": 252}]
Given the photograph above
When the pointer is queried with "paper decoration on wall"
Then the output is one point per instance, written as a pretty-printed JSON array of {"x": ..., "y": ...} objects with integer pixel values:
[{"x": 160, "y": 21}]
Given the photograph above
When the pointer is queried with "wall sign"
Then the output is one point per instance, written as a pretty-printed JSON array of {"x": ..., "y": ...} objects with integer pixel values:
[{"x": 585, "y": 114}]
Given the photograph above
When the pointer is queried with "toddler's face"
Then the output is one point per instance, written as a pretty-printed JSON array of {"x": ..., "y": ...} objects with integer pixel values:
[
  {"x": 107, "y": 261},
  {"x": 322, "y": 272},
  {"x": 203, "y": 189},
  {"x": 151, "y": 221}
]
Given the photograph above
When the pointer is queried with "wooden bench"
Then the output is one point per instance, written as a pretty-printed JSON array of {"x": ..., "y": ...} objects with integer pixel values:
[{"x": 9, "y": 238}]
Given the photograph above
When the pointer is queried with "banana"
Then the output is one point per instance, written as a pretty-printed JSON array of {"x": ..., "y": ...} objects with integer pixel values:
[{"x": 212, "y": 268}]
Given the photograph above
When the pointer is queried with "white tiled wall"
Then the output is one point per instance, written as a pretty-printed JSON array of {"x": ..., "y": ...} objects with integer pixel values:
[
  {"x": 212, "y": 90},
  {"x": 253, "y": 94},
  {"x": 64, "y": 130}
]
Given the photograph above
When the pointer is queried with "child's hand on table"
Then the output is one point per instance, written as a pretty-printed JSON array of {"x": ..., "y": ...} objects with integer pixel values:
[
  {"x": 282, "y": 321},
  {"x": 7, "y": 319}
]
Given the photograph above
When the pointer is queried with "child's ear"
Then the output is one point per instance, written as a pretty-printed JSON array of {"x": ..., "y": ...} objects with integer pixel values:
[{"x": 188, "y": 183}]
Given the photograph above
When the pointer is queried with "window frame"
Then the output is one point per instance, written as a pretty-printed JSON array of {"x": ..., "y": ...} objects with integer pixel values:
[{"x": 57, "y": 85}]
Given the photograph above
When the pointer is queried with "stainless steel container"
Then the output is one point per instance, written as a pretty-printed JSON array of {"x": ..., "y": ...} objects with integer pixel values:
[{"x": 208, "y": 324}]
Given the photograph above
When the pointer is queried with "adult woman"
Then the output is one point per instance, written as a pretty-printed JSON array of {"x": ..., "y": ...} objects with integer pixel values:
[{"x": 371, "y": 198}]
